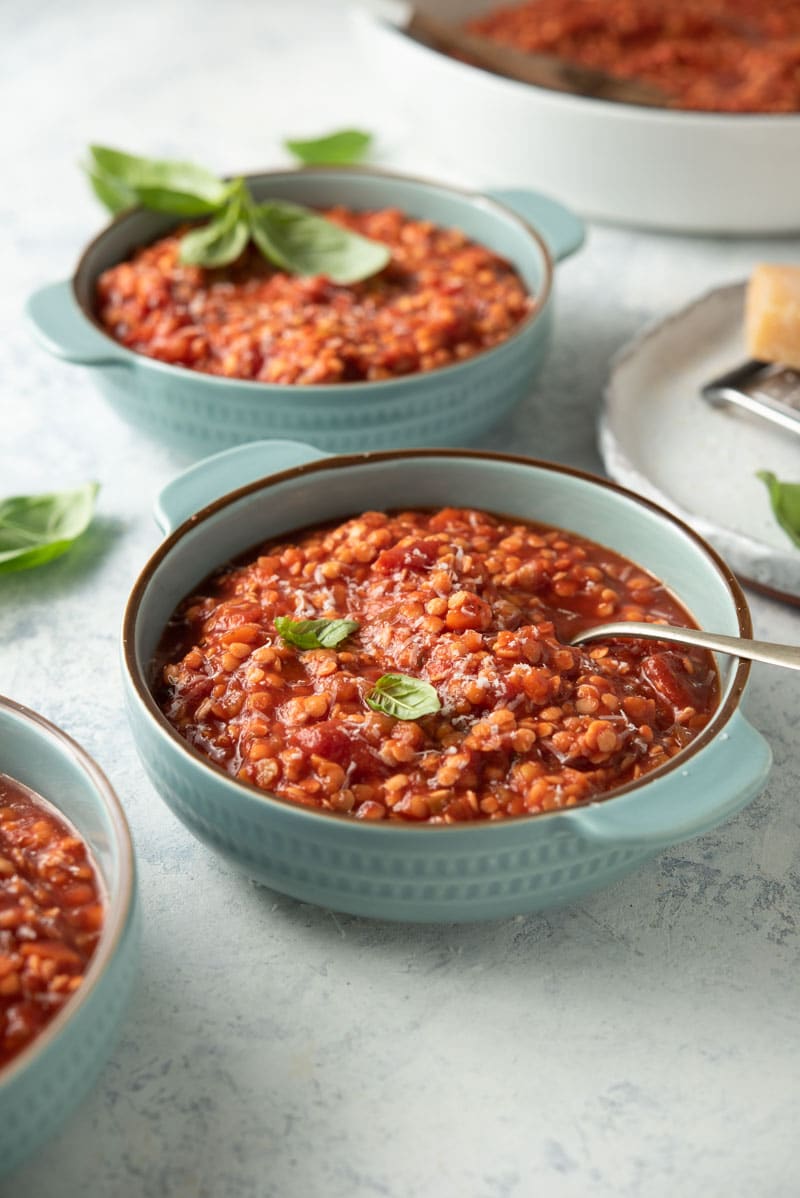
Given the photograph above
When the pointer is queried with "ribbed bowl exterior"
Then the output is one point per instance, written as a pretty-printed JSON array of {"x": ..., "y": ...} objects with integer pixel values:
[
  {"x": 197, "y": 415},
  {"x": 417, "y": 874}
]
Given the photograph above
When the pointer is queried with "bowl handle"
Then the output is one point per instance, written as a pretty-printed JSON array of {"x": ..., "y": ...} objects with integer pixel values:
[
  {"x": 62, "y": 329},
  {"x": 214, "y": 476},
  {"x": 688, "y": 801},
  {"x": 562, "y": 230}
]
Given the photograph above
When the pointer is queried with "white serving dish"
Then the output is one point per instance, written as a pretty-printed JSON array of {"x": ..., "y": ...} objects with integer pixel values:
[{"x": 666, "y": 169}]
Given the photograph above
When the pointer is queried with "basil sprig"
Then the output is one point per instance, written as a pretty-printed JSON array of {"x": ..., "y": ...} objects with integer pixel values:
[
  {"x": 785, "y": 500},
  {"x": 315, "y": 634},
  {"x": 403, "y": 697},
  {"x": 291, "y": 237},
  {"x": 342, "y": 148},
  {"x": 36, "y": 528}
]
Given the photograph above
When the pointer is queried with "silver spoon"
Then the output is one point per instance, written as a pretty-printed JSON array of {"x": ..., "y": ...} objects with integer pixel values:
[{"x": 737, "y": 646}]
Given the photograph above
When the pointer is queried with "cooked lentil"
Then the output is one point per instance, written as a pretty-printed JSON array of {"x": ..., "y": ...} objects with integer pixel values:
[
  {"x": 479, "y": 606},
  {"x": 51, "y": 914},
  {"x": 441, "y": 299},
  {"x": 712, "y": 55}
]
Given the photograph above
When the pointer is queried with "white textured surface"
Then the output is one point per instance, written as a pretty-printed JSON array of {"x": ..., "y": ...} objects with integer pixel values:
[
  {"x": 642, "y": 1044},
  {"x": 653, "y": 168}
]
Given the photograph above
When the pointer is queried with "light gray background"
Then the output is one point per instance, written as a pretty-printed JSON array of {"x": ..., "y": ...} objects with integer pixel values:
[{"x": 640, "y": 1044}]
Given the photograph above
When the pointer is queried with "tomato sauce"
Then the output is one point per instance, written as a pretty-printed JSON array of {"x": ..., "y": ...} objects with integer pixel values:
[
  {"x": 710, "y": 55},
  {"x": 51, "y": 915},
  {"x": 477, "y": 606},
  {"x": 441, "y": 299}
]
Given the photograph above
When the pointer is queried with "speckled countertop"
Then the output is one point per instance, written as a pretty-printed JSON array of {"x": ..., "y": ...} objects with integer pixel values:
[{"x": 640, "y": 1044}]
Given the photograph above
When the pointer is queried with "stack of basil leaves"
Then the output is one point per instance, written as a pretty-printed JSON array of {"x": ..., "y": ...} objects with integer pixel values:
[{"x": 291, "y": 237}]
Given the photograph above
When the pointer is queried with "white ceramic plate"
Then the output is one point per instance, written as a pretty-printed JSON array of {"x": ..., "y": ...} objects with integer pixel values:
[
  {"x": 649, "y": 167},
  {"x": 659, "y": 438}
]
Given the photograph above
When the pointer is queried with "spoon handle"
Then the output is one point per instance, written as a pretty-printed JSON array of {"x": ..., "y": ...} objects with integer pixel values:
[{"x": 772, "y": 654}]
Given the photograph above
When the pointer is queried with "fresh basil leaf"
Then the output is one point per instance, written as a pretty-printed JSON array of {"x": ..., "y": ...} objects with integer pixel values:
[
  {"x": 180, "y": 188},
  {"x": 403, "y": 697},
  {"x": 177, "y": 203},
  {"x": 304, "y": 243},
  {"x": 335, "y": 149},
  {"x": 110, "y": 192},
  {"x": 785, "y": 500},
  {"x": 36, "y": 528},
  {"x": 315, "y": 634},
  {"x": 219, "y": 242}
]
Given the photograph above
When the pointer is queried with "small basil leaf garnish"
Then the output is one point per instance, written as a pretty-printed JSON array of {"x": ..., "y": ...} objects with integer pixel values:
[
  {"x": 180, "y": 188},
  {"x": 36, "y": 528},
  {"x": 335, "y": 149},
  {"x": 403, "y": 697},
  {"x": 304, "y": 243},
  {"x": 219, "y": 242},
  {"x": 315, "y": 634},
  {"x": 785, "y": 500}
]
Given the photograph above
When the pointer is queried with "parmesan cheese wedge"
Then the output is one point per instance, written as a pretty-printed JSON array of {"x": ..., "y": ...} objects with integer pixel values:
[{"x": 772, "y": 315}]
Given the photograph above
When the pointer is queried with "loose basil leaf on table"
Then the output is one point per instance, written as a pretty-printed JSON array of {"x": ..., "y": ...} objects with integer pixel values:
[
  {"x": 785, "y": 500},
  {"x": 36, "y": 528},
  {"x": 315, "y": 634},
  {"x": 304, "y": 243},
  {"x": 403, "y": 697},
  {"x": 219, "y": 242},
  {"x": 180, "y": 188},
  {"x": 334, "y": 149}
]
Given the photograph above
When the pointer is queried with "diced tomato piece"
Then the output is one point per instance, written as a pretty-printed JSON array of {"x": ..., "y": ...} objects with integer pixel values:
[
  {"x": 673, "y": 684},
  {"x": 416, "y": 555}
]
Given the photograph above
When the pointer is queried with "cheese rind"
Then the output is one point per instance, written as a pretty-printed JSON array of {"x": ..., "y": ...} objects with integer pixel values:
[{"x": 772, "y": 314}]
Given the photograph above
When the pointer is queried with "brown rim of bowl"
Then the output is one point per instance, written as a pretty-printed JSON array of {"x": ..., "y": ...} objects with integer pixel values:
[
  {"x": 119, "y": 905},
  {"x": 144, "y": 694},
  {"x": 474, "y": 197}
]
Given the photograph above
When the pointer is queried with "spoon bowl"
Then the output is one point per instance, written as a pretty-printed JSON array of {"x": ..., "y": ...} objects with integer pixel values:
[{"x": 737, "y": 646}]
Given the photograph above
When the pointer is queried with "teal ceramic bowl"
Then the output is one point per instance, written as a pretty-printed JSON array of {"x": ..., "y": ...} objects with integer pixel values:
[
  {"x": 199, "y": 413},
  {"x": 432, "y": 873},
  {"x": 39, "y": 1087}
]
